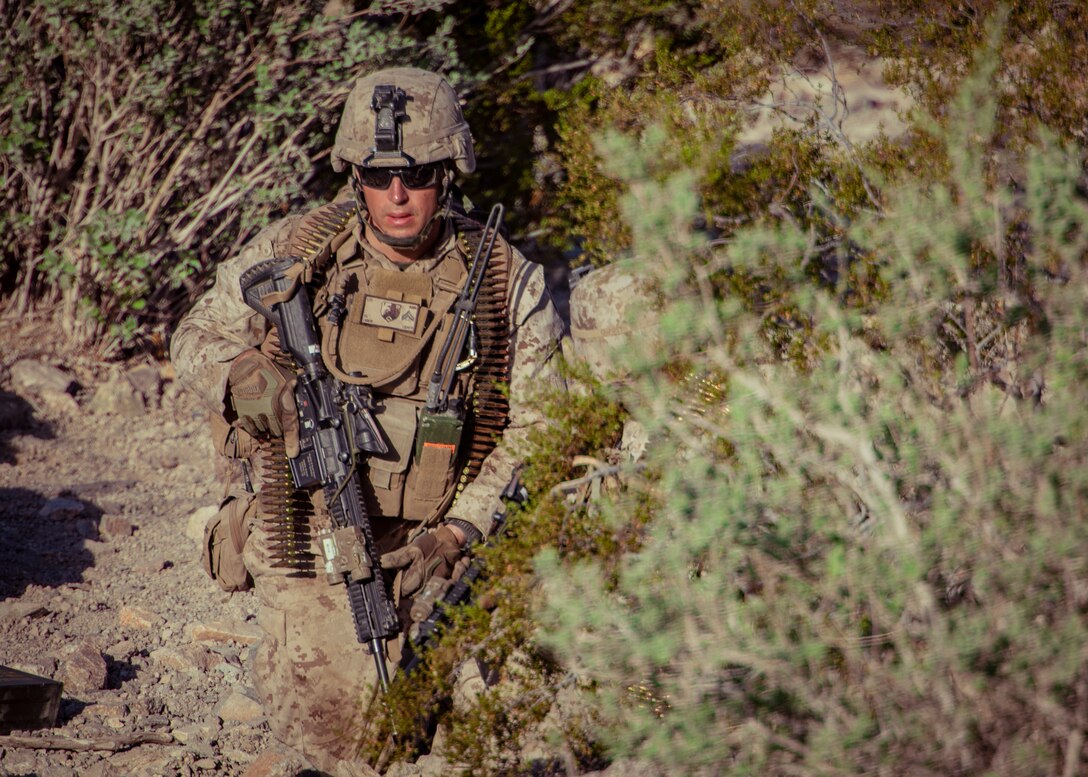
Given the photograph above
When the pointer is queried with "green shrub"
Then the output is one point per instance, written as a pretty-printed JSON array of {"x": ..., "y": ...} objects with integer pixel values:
[
  {"x": 870, "y": 560},
  {"x": 497, "y": 627},
  {"x": 143, "y": 142},
  {"x": 1040, "y": 59}
]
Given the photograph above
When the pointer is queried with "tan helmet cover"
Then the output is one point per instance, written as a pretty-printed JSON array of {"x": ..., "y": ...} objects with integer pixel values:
[
  {"x": 612, "y": 311},
  {"x": 434, "y": 130}
]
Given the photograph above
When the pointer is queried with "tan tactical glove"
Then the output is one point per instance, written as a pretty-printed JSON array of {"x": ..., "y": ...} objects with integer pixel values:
[
  {"x": 433, "y": 554},
  {"x": 263, "y": 397}
]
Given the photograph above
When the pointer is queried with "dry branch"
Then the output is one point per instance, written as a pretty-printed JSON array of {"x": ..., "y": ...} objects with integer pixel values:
[{"x": 112, "y": 744}]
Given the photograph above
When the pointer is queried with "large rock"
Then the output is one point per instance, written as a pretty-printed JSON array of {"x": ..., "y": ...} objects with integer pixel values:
[
  {"x": 54, "y": 386},
  {"x": 193, "y": 659},
  {"x": 146, "y": 380},
  {"x": 115, "y": 527},
  {"x": 39, "y": 379},
  {"x": 117, "y": 396},
  {"x": 240, "y": 708},
  {"x": 82, "y": 668},
  {"x": 15, "y": 610},
  {"x": 62, "y": 508},
  {"x": 194, "y": 527},
  {"x": 223, "y": 631},
  {"x": 140, "y": 619}
]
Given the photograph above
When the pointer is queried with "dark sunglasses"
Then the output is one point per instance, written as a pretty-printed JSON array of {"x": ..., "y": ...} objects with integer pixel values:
[{"x": 415, "y": 177}]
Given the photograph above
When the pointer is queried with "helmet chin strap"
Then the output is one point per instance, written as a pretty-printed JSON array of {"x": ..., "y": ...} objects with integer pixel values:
[{"x": 413, "y": 241}]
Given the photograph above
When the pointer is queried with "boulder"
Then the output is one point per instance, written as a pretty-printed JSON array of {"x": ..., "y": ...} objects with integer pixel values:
[
  {"x": 240, "y": 708},
  {"x": 62, "y": 508},
  {"x": 115, "y": 527},
  {"x": 82, "y": 668},
  {"x": 140, "y": 619},
  {"x": 39, "y": 379},
  {"x": 194, "y": 527},
  {"x": 117, "y": 396},
  {"x": 223, "y": 631},
  {"x": 147, "y": 381},
  {"x": 15, "y": 610}
]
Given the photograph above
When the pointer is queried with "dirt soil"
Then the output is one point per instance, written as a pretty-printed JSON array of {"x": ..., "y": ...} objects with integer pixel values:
[{"x": 101, "y": 584}]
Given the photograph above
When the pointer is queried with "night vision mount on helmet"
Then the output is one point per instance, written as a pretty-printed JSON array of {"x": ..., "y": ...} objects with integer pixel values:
[
  {"x": 400, "y": 117},
  {"x": 388, "y": 103}
]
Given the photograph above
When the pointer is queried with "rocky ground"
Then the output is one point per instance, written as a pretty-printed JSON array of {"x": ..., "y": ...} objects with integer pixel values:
[{"x": 106, "y": 478}]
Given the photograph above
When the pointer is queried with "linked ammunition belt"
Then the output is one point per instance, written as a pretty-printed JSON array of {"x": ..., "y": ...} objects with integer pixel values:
[
  {"x": 490, "y": 407},
  {"x": 285, "y": 511},
  {"x": 315, "y": 232}
]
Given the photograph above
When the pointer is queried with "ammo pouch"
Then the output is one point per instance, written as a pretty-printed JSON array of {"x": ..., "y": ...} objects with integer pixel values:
[
  {"x": 226, "y": 532},
  {"x": 225, "y": 536}
]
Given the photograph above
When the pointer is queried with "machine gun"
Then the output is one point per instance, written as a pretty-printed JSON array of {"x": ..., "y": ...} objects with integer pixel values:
[{"x": 336, "y": 425}]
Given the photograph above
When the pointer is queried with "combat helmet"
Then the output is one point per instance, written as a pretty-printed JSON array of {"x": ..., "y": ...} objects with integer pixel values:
[
  {"x": 612, "y": 309},
  {"x": 402, "y": 116}
]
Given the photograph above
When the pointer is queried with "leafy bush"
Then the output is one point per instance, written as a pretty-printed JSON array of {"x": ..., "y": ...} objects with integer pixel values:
[
  {"x": 490, "y": 735},
  {"x": 870, "y": 559},
  {"x": 143, "y": 142},
  {"x": 1040, "y": 58},
  {"x": 694, "y": 67}
]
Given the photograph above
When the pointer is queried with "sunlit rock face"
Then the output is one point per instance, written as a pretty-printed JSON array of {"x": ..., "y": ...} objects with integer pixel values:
[{"x": 846, "y": 92}]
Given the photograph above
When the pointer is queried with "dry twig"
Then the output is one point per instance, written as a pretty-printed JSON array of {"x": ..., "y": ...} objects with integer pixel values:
[{"x": 112, "y": 744}]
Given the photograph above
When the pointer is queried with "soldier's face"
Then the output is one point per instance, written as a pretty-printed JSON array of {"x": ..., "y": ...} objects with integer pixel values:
[{"x": 399, "y": 211}]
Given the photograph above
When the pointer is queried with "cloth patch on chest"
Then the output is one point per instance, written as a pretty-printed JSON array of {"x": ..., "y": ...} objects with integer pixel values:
[{"x": 391, "y": 314}]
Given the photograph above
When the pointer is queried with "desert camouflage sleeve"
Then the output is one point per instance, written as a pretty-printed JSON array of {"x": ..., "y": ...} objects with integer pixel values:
[
  {"x": 221, "y": 325},
  {"x": 536, "y": 333}
]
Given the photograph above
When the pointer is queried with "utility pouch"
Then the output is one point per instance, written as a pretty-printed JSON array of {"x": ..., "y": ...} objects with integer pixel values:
[
  {"x": 438, "y": 430},
  {"x": 225, "y": 536},
  {"x": 434, "y": 466},
  {"x": 231, "y": 441},
  {"x": 387, "y": 472}
]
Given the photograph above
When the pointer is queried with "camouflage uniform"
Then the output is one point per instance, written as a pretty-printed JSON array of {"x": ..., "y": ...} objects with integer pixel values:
[
  {"x": 614, "y": 316},
  {"x": 316, "y": 681},
  {"x": 612, "y": 311}
]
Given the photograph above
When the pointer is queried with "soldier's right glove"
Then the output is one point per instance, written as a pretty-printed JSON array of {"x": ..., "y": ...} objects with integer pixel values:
[
  {"x": 432, "y": 554},
  {"x": 263, "y": 396}
]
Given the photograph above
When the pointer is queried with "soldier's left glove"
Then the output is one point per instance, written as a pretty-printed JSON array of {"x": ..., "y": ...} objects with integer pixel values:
[
  {"x": 262, "y": 393},
  {"x": 433, "y": 554}
]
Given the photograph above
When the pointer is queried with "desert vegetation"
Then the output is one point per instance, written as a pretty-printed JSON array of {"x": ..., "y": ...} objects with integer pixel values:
[{"x": 854, "y": 543}]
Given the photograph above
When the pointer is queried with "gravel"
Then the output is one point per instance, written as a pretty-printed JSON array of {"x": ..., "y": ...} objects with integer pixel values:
[{"x": 101, "y": 584}]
